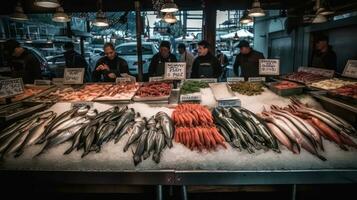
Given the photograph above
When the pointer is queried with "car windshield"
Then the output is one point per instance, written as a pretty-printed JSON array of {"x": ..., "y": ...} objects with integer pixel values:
[{"x": 131, "y": 50}]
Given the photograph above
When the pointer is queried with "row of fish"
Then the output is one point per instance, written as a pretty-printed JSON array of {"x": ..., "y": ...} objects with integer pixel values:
[{"x": 244, "y": 130}]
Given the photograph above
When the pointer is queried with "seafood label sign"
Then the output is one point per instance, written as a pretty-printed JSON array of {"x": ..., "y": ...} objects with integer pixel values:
[
  {"x": 235, "y": 79},
  {"x": 229, "y": 102},
  {"x": 42, "y": 82},
  {"x": 11, "y": 87},
  {"x": 73, "y": 75},
  {"x": 350, "y": 69},
  {"x": 190, "y": 98},
  {"x": 175, "y": 71},
  {"x": 81, "y": 104},
  {"x": 269, "y": 67}
]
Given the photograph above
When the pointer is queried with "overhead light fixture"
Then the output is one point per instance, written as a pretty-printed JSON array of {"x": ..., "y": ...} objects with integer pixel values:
[
  {"x": 19, "y": 13},
  {"x": 319, "y": 19},
  {"x": 60, "y": 16},
  {"x": 47, "y": 3},
  {"x": 170, "y": 18},
  {"x": 256, "y": 10},
  {"x": 169, "y": 7},
  {"x": 245, "y": 19},
  {"x": 236, "y": 37},
  {"x": 100, "y": 19}
]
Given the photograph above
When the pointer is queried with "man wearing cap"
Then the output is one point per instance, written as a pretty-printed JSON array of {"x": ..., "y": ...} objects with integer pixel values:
[
  {"x": 323, "y": 56},
  {"x": 23, "y": 63},
  {"x": 247, "y": 60},
  {"x": 157, "y": 65},
  {"x": 187, "y": 57},
  {"x": 205, "y": 65},
  {"x": 75, "y": 60}
]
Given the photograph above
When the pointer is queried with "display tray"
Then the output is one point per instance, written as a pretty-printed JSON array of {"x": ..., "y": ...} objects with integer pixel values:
[
  {"x": 21, "y": 97},
  {"x": 17, "y": 110},
  {"x": 336, "y": 100},
  {"x": 285, "y": 92},
  {"x": 152, "y": 99},
  {"x": 221, "y": 91}
]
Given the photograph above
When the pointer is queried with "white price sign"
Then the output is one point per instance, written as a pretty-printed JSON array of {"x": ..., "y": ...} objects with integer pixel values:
[
  {"x": 318, "y": 71},
  {"x": 42, "y": 82},
  {"x": 205, "y": 80},
  {"x": 73, "y": 75},
  {"x": 156, "y": 78},
  {"x": 269, "y": 67},
  {"x": 231, "y": 102},
  {"x": 57, "y": 81},
  {"x": 175, "y": 71},
  {"x": 81, "y": 104},
  {"x": 11, "y": 87},
  {"x": 190, "y": 97},
  {"x": 350, "y": 69},
  {"x": 122, "y": 80},
  {"x": 256, "y": 79},
  {"x": 235, "y": 79}
]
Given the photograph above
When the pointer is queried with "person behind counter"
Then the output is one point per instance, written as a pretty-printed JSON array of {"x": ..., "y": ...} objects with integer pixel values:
[
  {"x": 223, "y": 61},
  {"x": 187, "y": 57},
  {"x": 109, "y": 67},
  {"x": 205, "y": 65},
  {"x": 247, "y": 60},
  {"x": 75, "y": 60},
  {"x": 23, "y": 63},
  {"x": 323, "y": 56},
  {"x": 157, "y": 65}
]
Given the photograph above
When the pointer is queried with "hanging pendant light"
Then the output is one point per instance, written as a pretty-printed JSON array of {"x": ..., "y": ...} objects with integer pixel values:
[
  {"x": 170, "y": 18},
  {"x": 245, "y": 19},
  {"x": 169, "y": 7},
  {"x": 60, "y": 16},
  {"x": 19, "y": 13},
  {"x": 47, "y": 3},
  {"x": 100, "y": 19},
  {"x": 256, "y": 10}
]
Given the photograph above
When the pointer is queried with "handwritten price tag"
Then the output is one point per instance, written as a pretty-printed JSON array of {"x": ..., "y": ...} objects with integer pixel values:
[
  {"x": 81, "y": 104},
  {"x": 269, "y": 66},
  {"x": 350, "y": 69},
  {"x": 231, "y": 102},
  {"x": 122, "y": 80},
  {"x": 235, "y": 79},
  {"x": 73, "y": 75},
  {"x": 156, "y": 78},
  {"x": 42, "y": 82},
  {"x": 256, "y": 79},
  {"x": 11, "y": 87},
  {"x": 190, "y": 97},
  {"x": 205, "y": 80},
  {"x": 175, "y": 71}
]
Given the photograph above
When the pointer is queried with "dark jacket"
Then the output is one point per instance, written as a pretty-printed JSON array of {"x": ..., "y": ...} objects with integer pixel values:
[
  {"x": 116, "y": 66},
  {"x": 157, "y": 65},
  {"x": 326, "y": 60},
  {"x": 206, "y": 67},
  {"x": 223, "y": 60},
  {"x": 27, "y": 67},
  {"x": 248, "y": 63},
  {"x": 76, "y": 60}
]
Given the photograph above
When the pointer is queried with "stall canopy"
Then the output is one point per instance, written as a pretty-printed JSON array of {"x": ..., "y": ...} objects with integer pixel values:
[{"x": 240, "y": 33}]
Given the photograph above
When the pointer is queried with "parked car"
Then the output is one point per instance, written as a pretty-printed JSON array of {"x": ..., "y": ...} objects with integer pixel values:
[
  {"x": 98, "y": 51},
  {"x": 128, "y": 52}
]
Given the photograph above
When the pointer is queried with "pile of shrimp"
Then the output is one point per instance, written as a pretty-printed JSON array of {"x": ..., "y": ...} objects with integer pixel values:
[{"x": 194, "y": 127}]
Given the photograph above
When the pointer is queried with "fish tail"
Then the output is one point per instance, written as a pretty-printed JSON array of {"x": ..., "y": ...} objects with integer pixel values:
[
  {"x": 84, "y": 154},
  {"x": 321, "y": 157},
  {"x": 169, "y": 142},
  {"x": 68, "y": 151},
  {"x": 41, "y": 152},
  {"x": 156, "y": 157},
  {"x": 18, "y": 153},
  {"x": 126, "y": 148},
  {"x": 146, "y": 155},
  {"x": 343, "y": 147}
]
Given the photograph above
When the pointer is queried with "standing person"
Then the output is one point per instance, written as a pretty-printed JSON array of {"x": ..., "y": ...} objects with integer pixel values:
[
  {"x": 223, "y": 61},
  {"x": 247, "y": 60},
  {"x": 323, "y": 56},
  {"x": 109, "y": 67},
  {"x": 23, "y": 63},
  {"x": 157, "y": 65},
  {"x": 75, "y": 60},
  {"x": 205, "y": 65},
  {"x": 187, "y": 57}
]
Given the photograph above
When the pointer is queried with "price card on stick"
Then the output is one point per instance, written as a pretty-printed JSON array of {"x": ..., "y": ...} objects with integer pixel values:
[
  {"x": 235, "y": 79},
  {"x": 350, "y": 69},
  {"x": 269, "y": 67},
  {"x": 175, "y": 71},
  {"x": 42, "y": 82},
  {"x": 11, "y": 87},
  {"x": 73, "y": 75},
  {"x": 256, "y": 79},
  {"x": 156, "y": 78}
]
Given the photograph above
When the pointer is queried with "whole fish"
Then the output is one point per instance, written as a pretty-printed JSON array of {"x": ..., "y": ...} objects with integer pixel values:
[
  {"x": 106, "y": 133},
  {"x": 127, "y": 117},
  {"x": 75, "y": 142},
  {"x": 224, "y": 133},
  {"x": 123, "y": 131},
  {"x": 89, "y": 141},
  {"x": 140, "y": 149},
  {"x": 283, "y": 139},
  {"x": 66, "y": 124},
  {"x": 138, "y": 128},
  {"x": 150, "y": 142},
  {"x": 159, "y": 146},
  {"x": 167, "y": 127}
]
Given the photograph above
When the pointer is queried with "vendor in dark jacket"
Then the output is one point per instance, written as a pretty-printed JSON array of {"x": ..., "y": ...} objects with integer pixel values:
[
  {"x": 247, "y": 60},
  {"x": 157, "y": 65},
  {"x": 323, "y": 56},
  {"x": 75, "y": 60},
  {"x": 205, "y": 65},
  {"x": 109, "y": 67},
  {"x": 23, "y": 63}
]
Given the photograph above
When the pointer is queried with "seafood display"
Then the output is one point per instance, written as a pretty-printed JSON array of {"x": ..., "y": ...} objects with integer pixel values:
[
  {"x": 299, "y": 126},
  {"x": 244, "y": 130},
  {"x": 195, "y": 129},
  {"x": 87, "y": 93},
  {"x": 191, "y": 86},
  {"x": 331, "y": 84},
  {"x": 347, "y": 91},
  {"x": 120, "y": 91},
  {"x": 153, "y": 91},
  {"x": 286, "y": 88},
  {"x": 221, "y": 91},
  {"x": 247, "y": 88},
  {"x": 305, "y": 77},
  {"x": 283, "y": 85},
  {"x": 28, "y": 92}
]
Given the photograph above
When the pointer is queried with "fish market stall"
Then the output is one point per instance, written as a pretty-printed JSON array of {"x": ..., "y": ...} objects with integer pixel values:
[{"x": 179, "y": 144}]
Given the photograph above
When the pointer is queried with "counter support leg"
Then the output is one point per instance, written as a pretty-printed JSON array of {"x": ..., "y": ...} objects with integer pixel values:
[
  {"x": 184, "y": 192},
  {"x": 159, "y": 192},
  {"x": 293, "y": 192}
]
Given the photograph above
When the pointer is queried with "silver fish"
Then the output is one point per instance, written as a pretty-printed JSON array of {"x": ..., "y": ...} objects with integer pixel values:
[
  {"x": 159, "y": 146},
  {"x": 123, "y": 131},
  {"x": 150, "y": 142},
  {"x": 140, "y": 149},
  {"x": 167, "y": 127},
  {"x": 138, "y": 129}
]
